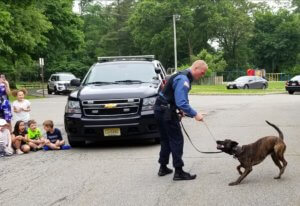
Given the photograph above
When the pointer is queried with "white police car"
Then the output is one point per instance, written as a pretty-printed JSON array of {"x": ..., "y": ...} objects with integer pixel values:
[{"x": 60, "y": 83}]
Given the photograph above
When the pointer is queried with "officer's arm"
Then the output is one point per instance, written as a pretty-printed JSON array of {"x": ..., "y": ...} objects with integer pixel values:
[{"x": 181, "y": 90}]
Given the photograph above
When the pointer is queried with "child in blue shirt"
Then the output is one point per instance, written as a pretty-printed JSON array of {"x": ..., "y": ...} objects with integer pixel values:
[{"x": 54, "y": 138}]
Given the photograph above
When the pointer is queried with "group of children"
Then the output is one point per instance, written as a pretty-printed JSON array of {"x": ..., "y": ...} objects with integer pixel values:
[{"x": 26, "y": 136}]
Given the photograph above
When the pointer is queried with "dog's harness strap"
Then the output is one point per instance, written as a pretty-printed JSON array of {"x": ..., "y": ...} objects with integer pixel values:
[{"x": 193, "y": 143}]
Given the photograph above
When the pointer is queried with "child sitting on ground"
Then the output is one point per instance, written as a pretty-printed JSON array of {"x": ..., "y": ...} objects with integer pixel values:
[
  {"x": 36, "y": 140},
  {"x": 21, "y": 106},
  {"x": 19, "y": 138},
  {"x": 54, "y": 137},
  {"x": 5, "y": 139}
]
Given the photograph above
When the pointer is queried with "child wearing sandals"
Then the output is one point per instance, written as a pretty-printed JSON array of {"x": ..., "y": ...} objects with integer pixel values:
[
  {"x": 20, "y": 139},
  {"x": 54, "y": 138},
  {"x": 36, "y": 139},
  {"x": 21, "y": 106}
]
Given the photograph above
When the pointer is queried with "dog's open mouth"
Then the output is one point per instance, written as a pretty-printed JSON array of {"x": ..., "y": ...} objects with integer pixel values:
[{"x": 219, "y": 146}]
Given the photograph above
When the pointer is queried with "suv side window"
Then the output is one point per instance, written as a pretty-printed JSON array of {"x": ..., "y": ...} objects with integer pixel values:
[{"x": 53, "y": 78}]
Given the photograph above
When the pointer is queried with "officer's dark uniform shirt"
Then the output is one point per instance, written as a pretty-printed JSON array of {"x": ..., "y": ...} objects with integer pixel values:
[{"x": 181, "y": 86}]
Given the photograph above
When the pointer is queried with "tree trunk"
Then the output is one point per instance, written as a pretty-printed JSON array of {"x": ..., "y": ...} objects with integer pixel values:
[{"x": 191, "y": 53}]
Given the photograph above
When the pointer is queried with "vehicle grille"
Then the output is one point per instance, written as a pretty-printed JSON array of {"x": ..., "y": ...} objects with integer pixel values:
[{"x": 106, "y": 108}]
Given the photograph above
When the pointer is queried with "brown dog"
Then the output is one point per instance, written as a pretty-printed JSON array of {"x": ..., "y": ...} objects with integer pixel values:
[{"x": 253, "y": 154}]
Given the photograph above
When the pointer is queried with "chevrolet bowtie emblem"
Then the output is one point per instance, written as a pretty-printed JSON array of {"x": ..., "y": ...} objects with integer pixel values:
[{"x": 110, "y": 106}]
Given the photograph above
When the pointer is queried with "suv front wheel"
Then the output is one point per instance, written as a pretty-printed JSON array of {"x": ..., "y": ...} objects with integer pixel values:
[
  {"x": 76, "y": 143},
  {"x": 49, "y": 90},
  {"x": 55, "y": 90}
]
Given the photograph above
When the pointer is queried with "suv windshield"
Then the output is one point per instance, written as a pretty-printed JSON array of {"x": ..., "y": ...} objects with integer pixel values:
[
  {"x": 122, "y": 73},
  {"x": 66, "y": 77}
]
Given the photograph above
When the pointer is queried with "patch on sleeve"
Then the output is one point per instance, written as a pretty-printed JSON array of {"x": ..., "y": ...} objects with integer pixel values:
[{"x": 186, "y": 84}]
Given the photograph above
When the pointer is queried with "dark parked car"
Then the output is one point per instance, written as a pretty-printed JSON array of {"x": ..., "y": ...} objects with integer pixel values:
[
  {"x": 293, "y": 85},
  {"x": 115, "y": 100},
  {"x": 248, "y": 82}
]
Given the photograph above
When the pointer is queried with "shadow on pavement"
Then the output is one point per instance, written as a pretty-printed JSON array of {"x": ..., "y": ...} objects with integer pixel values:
[{"x": 119, "y": 144}]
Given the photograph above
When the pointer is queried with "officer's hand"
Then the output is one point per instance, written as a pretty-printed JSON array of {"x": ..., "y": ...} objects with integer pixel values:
[{"x": 199, "y": 117}]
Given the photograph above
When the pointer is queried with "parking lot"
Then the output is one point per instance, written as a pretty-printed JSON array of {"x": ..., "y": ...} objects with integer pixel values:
[{"x": 125, "y": 173}]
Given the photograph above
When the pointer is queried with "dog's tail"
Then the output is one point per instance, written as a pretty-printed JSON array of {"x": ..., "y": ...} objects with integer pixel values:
[{"x": 277, "y": 129}]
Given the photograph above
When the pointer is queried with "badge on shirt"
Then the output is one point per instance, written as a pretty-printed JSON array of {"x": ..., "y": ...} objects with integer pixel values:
[{"x": 186, "y": 84}]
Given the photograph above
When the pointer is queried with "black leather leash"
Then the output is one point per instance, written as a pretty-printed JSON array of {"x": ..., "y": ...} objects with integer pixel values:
[{"x": 193, "y": 143}]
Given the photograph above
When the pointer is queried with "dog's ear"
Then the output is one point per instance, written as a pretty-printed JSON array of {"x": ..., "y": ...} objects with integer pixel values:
[{"x": 234, "y": 143}]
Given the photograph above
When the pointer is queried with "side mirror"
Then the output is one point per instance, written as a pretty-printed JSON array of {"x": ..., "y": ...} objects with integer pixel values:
[
  {"x": 75, "y": 82},
  {"x": 157, "y": 70}
]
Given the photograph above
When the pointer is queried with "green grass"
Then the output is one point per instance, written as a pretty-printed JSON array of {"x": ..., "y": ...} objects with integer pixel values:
[{"x": 274, "y": 87}]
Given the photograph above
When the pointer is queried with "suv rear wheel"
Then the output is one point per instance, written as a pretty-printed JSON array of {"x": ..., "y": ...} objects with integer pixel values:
[
  {"x": 291, "y": 92},
  {"x": 55, "y": 90}
]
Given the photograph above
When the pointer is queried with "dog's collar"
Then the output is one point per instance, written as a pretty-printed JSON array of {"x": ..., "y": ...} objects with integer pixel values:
[{"x": 237, "y": 150}]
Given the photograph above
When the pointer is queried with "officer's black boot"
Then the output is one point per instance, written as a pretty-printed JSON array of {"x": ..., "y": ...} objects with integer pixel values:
[
  {"x": 182, "y": 175},
  {"x": 164, "y": 170}
]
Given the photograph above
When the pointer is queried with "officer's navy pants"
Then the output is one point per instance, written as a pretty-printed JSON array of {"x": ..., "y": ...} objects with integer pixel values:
[{"x": 171, "y": 140}]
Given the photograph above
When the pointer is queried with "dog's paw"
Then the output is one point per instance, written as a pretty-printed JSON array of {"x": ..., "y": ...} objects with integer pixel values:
[{"x": 233, "y": 183}]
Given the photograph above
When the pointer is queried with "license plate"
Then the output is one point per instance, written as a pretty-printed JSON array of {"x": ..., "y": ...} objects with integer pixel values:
[
  {"x": 112, "y": 132},
  {"x": 231, "y": 87},
  {"x": 293, "y": 84}
]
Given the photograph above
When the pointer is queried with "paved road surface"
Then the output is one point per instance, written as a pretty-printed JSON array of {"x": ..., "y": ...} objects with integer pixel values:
[{"x": 126, "y": 173}]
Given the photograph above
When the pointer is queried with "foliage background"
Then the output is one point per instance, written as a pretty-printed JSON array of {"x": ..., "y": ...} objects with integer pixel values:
[{"x": 248, "y": 35}]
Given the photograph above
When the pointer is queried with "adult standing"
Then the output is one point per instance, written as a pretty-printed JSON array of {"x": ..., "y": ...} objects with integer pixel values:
[
  {"x": 174, "y": 97},
  {"x": 5, "y": 107}
]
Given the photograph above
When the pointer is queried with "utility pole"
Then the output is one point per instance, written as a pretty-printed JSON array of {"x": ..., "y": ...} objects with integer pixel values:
[
  {"x": 175, "y": 17},
  {"x": 41, "y": 63}
]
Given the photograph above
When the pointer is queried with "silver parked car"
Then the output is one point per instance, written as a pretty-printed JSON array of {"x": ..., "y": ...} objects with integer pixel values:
[
  {"x": 248, "y": 82},
  {"x": 59, "y": 83}
]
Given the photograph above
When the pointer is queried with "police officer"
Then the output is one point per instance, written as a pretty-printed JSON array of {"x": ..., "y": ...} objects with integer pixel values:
[{"x": 171, "y": 100}]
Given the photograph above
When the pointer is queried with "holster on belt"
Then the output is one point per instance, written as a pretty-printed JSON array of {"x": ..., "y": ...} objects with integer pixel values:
[{"x": 168, "y": 110}]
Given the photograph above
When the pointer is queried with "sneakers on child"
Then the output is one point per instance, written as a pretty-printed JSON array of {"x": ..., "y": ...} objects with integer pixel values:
[{"x": 65, "y": 147}]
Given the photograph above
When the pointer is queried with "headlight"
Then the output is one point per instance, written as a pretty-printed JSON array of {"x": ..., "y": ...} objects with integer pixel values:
[
  {"x": 148, "y": 103},
  {"x": 73, "y": 107}
]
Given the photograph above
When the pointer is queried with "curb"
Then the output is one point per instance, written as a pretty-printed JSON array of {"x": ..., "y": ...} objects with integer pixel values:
[{"x": 233, "y": 94}]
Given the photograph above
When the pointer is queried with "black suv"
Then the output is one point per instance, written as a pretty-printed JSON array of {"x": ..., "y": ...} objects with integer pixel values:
[{"x": 115, "y": 100}]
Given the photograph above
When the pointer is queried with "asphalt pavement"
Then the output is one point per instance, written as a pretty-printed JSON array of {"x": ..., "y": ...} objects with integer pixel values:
[{"x": 125, "y": 173}]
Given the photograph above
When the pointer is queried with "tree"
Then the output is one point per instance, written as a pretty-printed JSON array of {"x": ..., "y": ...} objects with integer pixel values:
[
  {"x": 296, "y": 3},
  {"x": 276, "y": 40},
  {"x": 152, "y": 28},
  {"x": 23, "y": 28},
  {"x": 65, "y": 48},
  {"x": 232, "y": 27}
]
